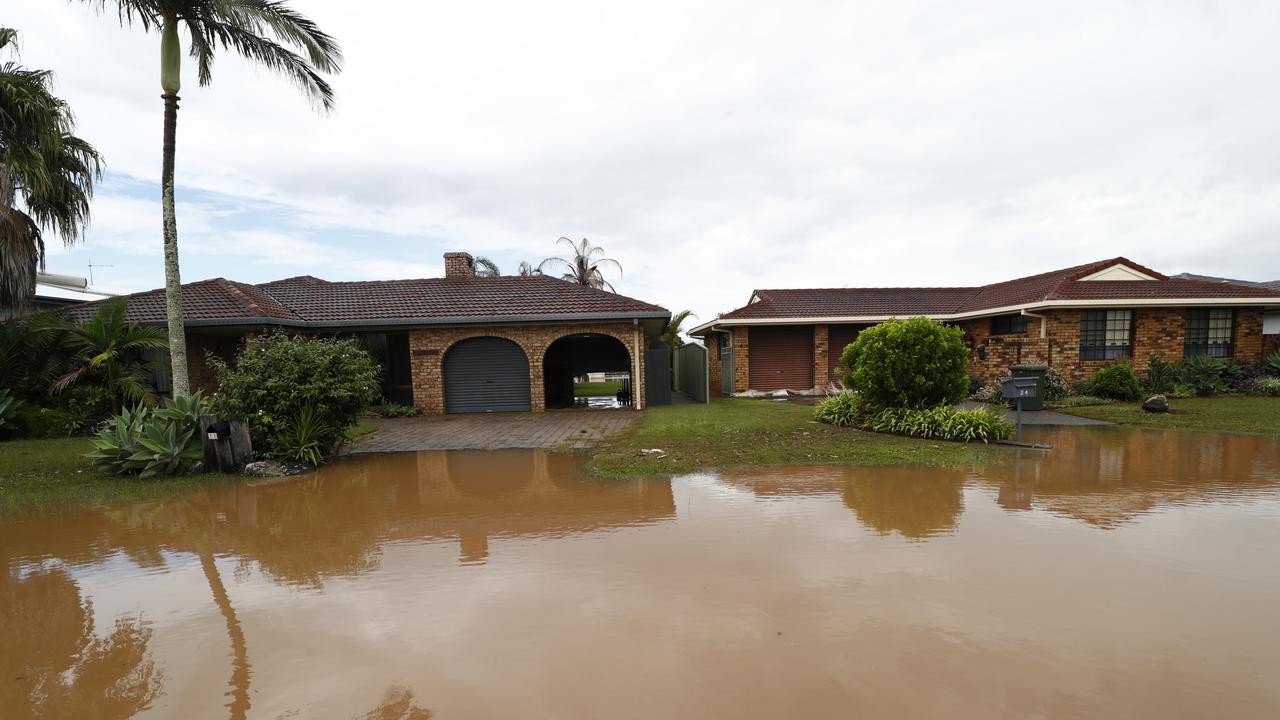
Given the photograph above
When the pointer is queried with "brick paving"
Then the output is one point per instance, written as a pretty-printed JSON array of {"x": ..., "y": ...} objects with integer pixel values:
[{"x": 493, "y": 431}]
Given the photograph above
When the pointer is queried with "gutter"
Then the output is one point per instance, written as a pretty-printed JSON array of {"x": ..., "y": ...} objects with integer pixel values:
[
  {"x": 377, "y": 323},
  {"x": 1044, "y": 322}
]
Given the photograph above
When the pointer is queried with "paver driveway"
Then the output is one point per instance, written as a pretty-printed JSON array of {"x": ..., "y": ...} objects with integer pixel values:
[{"x": 492, "y": 431}]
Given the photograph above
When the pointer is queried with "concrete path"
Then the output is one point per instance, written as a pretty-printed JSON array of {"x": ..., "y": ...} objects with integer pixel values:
[
  {"x": 1039, "y": 417},
  {"x": 493, "y": 431}
]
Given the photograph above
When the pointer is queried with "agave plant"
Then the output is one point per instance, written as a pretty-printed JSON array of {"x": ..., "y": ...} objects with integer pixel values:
[
  {"x": 118, "y": 441},
  {"x": 153, "y": 442},
  {"x": 1273, "y": 362},
  {"x": 8, "y": 408}
]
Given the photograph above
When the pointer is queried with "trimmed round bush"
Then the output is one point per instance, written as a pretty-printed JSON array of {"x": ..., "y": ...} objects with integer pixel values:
[
  {"x": 1117, "y": 382},
  {"x": 915, "y": 363}
]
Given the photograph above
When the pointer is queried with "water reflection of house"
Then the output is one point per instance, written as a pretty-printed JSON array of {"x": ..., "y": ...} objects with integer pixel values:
[
  {"x": 913, "y": 501},
  {"x": 1108, "y": 476},
  {"x": 338, "y": 520}
]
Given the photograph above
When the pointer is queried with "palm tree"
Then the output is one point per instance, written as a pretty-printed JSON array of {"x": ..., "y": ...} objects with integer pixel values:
[
  {"x": 484, "y": 267},
  {"x": 262, "y": 31},
  {"x": 585, "y": 266},
  {"x": 671, "y": 331},
  {"x": 106, "y": 346},
  {"x": 527, "y": 269},
  {"x": 46, "y": 176}
]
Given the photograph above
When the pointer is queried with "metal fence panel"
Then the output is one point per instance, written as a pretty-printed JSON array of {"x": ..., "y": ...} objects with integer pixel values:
[{"x": 690, "y": 371}]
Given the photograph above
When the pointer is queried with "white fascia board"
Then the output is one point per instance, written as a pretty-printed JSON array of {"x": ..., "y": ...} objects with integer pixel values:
[{"x": 1006, "y": 310}]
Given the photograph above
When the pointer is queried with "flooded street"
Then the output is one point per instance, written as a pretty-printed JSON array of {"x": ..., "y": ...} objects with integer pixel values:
[{"x": 1126, "y": 573}]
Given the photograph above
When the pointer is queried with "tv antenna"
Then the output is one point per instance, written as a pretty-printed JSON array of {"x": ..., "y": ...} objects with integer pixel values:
[{"x": 92, "y": 266}]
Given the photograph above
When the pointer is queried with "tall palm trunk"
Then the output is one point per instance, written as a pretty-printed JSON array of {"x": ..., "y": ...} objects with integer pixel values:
[
  {"x": 170, "y": 81},
  {"x": 239, "y": 703}
]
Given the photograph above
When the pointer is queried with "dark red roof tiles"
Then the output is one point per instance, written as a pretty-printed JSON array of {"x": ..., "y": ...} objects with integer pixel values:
[
  {"x": 1065, "y": 284},
  {"x": 306, "y": 300}
]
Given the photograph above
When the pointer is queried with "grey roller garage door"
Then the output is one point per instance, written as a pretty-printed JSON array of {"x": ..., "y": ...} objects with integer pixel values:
[{"x": 486, "y": 375}]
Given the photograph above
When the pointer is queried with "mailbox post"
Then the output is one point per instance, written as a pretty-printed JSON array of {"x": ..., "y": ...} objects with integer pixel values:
[{"x": 1019, "y": 389}]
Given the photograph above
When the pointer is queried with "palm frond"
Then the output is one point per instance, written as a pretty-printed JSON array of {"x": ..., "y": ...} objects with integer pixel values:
[{"x": 484, "y": 267}]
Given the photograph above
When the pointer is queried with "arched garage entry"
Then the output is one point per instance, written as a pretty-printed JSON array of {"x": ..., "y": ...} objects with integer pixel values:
[
  {"x": 486, "y": 374},
  {"x": 602, "y": 358}
]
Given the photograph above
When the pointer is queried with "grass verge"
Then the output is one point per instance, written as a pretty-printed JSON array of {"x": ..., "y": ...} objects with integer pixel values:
[
  {"x": 596, "y": 389},
  {"x": 735, "y": 431},
  {"x": 37, "y": 475},
  {"x": 1215, "y": 414},
  {"x": 360, "y": 429}
]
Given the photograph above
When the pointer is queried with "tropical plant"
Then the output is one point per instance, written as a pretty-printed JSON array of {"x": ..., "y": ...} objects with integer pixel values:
[
  {"x": 1239, "y": 376},
  {"x": 585, "y": 267},
  {"x": 8, "y": 409},
  {"x": 527, "y": 269},
  {"x": 941, "y": 422},
  {"x": 1268, "y": 387},
  {"x": 670, "y": 334},
  {"x": 916, "y": 363},
  {"x": 107, "y": 347},
  {"x": 1272, "y": 362},
  {"x": 1161, "y": 376},
  {"x": 153, "y": 442},
  {"x": 306, "y": 438},
  {"x": 1117, "y": 382},
  {"x": 275, "y": 376},
  {"x": 46, "y": 176},
  {"x": 484, "y": 267},
  {"x": 261, "y": 31},
  {"x": 844, "y": 409},
  {"x": 1203, "y": 374}
]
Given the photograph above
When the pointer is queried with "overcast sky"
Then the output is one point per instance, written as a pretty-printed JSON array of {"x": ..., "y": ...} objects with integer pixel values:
[{"x": 710, "y": 147}]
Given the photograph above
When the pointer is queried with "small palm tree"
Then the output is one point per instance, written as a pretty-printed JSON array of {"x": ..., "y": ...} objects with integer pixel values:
[
  {"x": 258, "y": 30},
  {"x": 671, "y": 331},
  {"x": 527, "y": 269},
  {"x": 484, "y": 267},
  {"x": 585, "y": 267},
  {"x": 46, "y": 176},
  {"x": 107, "y": 347}
]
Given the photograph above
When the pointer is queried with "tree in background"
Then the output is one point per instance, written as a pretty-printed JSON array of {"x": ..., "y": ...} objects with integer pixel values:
[
  {"x": 46, "y": 176},
  {"x": 585, "y": 267},
  {"x": 107, "y": 348},
  {"x": 484, "y": 267},
  {"x": 671, "y": 331},
  {"x": 262, "y": 31}
]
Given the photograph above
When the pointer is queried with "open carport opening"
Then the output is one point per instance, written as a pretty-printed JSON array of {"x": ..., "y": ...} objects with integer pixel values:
[{"x": 587, "y": 370}]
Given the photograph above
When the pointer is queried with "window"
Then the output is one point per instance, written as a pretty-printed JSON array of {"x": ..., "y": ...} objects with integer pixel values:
[
  {"x": 1209, "y": 332},
  {"x": 1106, "y": 334},
  {"x": 1008, "y": 324}
]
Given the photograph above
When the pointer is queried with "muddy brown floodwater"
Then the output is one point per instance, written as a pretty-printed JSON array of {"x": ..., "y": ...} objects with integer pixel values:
[{"x": 1125, "y": 574}]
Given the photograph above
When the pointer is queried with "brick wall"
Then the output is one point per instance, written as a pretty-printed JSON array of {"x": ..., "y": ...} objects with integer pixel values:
[
  {"x": 199, "y": 347},
  {"x": 714, "y": 376},
  {"x": 820, "y": 351},
  {"x": 741, "y": 360},
  {"x": 428, "y": 347},
  {"x": 458, "y": 264}
]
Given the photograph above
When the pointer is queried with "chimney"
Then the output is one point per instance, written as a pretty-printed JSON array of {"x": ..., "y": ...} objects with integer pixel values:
[{"x": 458, "y": 264}]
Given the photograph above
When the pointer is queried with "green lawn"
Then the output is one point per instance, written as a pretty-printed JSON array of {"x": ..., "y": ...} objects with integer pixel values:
[
  {"x": 47, "y": 474},
  {"x": 596, "y": 389},
  {"x": 734, "y": 431},
  {"x": 1216, "y": 414},
  {"x": 360, "y": 429}
]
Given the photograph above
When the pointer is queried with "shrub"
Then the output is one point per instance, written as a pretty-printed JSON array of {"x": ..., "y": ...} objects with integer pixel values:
[
  {"x": 1203, "y": 374},
  {"x": 844, "y": 410},
  {"x": 916, "y": 363},
  {"x": 942, "y": 422},
  {"x": 1161, "y": 376},
  {"x": 153, "y": 442},
  {"x": 306, "y": 438},
  {"x": 1055, "y": 385},
  {"x": 989, "y": 394},
  {"x": 1269, "y": 387},
  {"x": 1238, "y": 377},
  {"x": 1116, "y": 382},
  {"x": 275, "y": 377},
  {"x": 394, "y": 410}
]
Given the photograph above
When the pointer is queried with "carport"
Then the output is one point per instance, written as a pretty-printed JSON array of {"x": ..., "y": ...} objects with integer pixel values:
[{"x": 578, "y": 355}]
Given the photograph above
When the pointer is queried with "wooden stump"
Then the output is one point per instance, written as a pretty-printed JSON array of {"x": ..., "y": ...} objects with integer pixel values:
[{"x": 231, "y": 450}]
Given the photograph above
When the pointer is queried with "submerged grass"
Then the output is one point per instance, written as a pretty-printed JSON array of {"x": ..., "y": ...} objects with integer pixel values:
[
  {"x": 1215, "y": 414},
  {"x": 736, "y": 431},
  {"x": 38, "y": 475}
]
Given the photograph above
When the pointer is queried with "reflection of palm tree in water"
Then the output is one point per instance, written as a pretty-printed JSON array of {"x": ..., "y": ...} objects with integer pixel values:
[{"x": 239, "y": 704}]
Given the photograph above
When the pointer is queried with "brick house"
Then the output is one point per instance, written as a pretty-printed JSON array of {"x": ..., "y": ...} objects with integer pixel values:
[
  {"x": 1077, "y": 320},
  {"x": 460, "y": 343}
]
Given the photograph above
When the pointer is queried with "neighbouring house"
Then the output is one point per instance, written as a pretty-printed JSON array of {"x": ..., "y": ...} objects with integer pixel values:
[
  {"x": 455, "y": 344},
  {"x": 1077, "y": 320},
  {"x": 54, "y": 291}
]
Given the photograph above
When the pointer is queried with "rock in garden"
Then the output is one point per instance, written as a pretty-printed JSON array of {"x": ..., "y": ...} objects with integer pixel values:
[
  {"x": 1156, "y": 404},
  {"x": 276, "y": 468}
]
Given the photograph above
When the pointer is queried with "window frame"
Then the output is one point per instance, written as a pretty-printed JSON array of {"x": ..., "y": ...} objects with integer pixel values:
[
  {"x": 1203, "y": 323},
  {"x": 1013, "y": 319},
  {"x": 1098, "y": 325}
]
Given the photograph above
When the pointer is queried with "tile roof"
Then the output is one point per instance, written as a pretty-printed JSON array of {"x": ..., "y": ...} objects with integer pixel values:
[
  {"x": 307, "y": 301},
  {"x": 1064, "y": 285}
]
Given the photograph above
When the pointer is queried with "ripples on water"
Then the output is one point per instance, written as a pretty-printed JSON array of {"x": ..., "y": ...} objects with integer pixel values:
[{"x": 1126, "y": 573}]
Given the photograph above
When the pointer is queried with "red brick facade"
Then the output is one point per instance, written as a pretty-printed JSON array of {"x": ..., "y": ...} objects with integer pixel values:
[{"x": 1156, "y": 331}]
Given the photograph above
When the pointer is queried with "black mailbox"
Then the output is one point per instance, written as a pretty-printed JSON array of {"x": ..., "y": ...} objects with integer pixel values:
[
  {"x": 1019, "y": 388},
  {"x": 219, "y": 430}
]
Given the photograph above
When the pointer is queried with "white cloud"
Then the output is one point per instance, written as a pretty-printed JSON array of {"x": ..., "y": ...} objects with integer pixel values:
[{"x": 716, "y": 147}]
